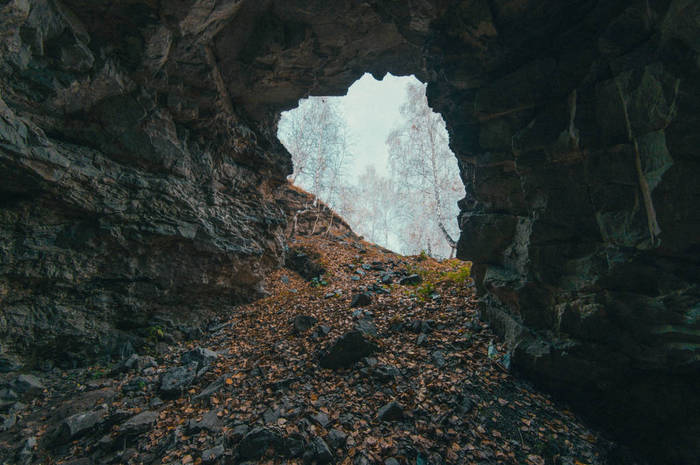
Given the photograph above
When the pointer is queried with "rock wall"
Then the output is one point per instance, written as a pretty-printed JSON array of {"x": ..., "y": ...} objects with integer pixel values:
[
  {"x": 140, "y": 174},
  {"x": 575, "y": 125},
  {"x": 130, "y": 198}
]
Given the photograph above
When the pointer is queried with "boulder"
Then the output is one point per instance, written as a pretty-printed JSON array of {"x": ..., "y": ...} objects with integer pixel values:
[
  {"x": 76, "y": 426},
  {"x": 347, "y": 350},
  {"x": 210, "y": 422},
  {"x": 317, "y": 451},
  {"x": 139, "y": 424},
  {"x": 28, "y": 386},
  {"x": 303, "y": 323},
  {"x": 360, "y": 300},
  {"x": 257, "y": 441},
  {"x": 201, "y": 356},
  {"x": 176, "y": 380},
  {"x": 390, "y": 412}
]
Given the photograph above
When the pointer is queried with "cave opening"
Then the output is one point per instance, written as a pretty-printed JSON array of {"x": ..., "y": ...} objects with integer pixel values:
[{"x": 380, "y": 158}]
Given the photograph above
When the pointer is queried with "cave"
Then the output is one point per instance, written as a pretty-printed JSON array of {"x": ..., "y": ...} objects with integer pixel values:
[{"x": 140, "y": 175}]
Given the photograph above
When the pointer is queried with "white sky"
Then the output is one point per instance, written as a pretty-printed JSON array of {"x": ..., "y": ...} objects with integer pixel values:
[{"x": 371, "y": 109}]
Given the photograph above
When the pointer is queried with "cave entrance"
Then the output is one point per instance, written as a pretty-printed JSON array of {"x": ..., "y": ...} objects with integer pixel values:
[{"x": 380, "y": 158}]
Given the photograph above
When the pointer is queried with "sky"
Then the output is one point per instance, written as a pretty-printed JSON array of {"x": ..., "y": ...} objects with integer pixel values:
[{"x": 371, "y": 109}]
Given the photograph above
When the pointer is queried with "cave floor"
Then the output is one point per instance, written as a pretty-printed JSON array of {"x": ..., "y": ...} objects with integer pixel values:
[{"x": 456, "y": 402}]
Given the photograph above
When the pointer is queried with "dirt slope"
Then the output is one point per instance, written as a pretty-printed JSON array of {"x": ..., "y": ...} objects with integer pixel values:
[{"x": 424, "y": 388}]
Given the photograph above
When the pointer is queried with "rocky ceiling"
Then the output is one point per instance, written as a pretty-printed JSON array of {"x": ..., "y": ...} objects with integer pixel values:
[{"x": 139, "y": 169}]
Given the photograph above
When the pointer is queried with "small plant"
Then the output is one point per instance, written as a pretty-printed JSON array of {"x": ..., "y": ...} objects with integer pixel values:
[
  {"x": 423, "y": 255},
  {"x": 155, "y": 334},
  {"x": 425, "y": 291},
  {"x": 459, "y": 276},
  {"x": 100, "y": 371},
  {"x": 318, "y": 282}
]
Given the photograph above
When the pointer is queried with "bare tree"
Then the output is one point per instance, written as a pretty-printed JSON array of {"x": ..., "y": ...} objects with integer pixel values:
[
  {"x": 316, "y": 136},
  {"x": 425, "y": 170},
  {"x": 369, "y": 206}
]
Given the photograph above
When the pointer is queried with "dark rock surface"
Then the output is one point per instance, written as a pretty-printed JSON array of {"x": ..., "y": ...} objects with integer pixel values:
[
  {"x": 360, "y": 300},
  {"x": 347, "y": 350},
  {"x": 390, "y": 412},
  {"x": 138, "y": 424},
  {"x": 125, "y": 191},
  {"x": 176, "y": 380},
  {"x": 598, "y": 303},
  {"x": 304, "y": 262},
  {"x": 410, "y": 280},
  {"x": 258, "y": 441},
  {"x": 140, "y": 174},
  {"x": 303, "y": 323}
]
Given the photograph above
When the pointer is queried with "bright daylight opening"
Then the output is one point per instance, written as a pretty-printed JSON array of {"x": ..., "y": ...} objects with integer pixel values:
[{"x": 380, "y": 158}]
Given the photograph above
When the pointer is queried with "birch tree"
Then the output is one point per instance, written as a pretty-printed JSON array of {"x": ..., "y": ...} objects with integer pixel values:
[
  {"x": 425, "y": 172},
  {"x": 316, "y": 136}
]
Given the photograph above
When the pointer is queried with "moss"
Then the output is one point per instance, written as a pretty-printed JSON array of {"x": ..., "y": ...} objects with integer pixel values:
[{"x": 460, "y": 276}]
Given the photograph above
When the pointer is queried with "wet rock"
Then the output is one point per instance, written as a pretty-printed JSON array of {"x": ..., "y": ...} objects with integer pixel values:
[
  {"x": 317, "y": 451},
  {"x": 387, "y": 278},
  {"x": 410, "y": 280},
  {"x": 421, "y": 339},
  {"x": 390, "y": 412},
  {"x": 391, "y": 461},
  {"x": 256, "y": 442},
  {"x": 139, "y": 424},
  {"x": 347, "y": 350},
  {"x": 360, "y": 300},
  {"x": 176, "y": 380},
  {"x": 303, "y": 323}
]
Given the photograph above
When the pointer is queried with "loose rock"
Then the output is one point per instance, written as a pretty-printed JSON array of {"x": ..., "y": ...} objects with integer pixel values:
[
  {"x": 347, "y": 350},
  {"x": 390, "y": 412}
]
